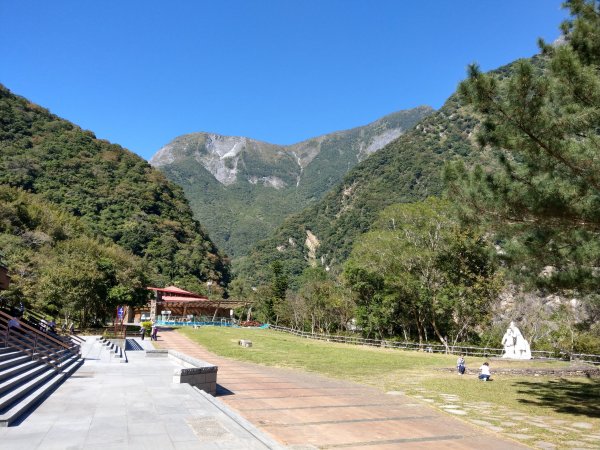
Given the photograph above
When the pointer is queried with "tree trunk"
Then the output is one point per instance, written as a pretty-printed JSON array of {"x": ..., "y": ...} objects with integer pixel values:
[
  {"x": 439, "y": 335},
  {"x": 419, "y": 329}
]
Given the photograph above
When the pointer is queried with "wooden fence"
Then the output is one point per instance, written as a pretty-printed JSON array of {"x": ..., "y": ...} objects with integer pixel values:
[{"x": 433, "y": 348}]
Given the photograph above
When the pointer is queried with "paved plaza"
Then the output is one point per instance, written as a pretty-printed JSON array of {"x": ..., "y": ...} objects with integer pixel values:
[
  {"x": 108, "y": 404},
  {"x": 308, "y": 411}
]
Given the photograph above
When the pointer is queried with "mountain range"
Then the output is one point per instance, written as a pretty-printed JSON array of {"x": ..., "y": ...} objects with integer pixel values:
[
  {"x": 241, "y": 189},
  {"x": 408, "y": 169}
]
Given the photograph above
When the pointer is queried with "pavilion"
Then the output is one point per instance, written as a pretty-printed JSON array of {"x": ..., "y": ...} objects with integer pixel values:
[{"x": 174, "y": 302}]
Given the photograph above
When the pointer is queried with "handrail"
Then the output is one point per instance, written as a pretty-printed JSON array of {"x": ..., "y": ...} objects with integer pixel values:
[
  {"x": 36, "y": 331},
  {"x": 36, "y": 344},
  {"x": 34, "y": 319},
  {"x": 34, "y": 350}
]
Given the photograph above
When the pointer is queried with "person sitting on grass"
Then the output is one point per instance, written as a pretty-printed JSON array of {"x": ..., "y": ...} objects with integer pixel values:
[
  {"x": 484, "y": 372},
  {"x": 460, "y": 365}
]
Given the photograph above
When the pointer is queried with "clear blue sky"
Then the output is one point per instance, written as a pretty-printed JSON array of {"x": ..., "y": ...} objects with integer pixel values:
[{"x": 141, "y": 72}]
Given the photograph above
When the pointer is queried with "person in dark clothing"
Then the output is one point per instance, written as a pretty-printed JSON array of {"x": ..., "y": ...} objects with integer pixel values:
[{"x": 460, "y": 365}]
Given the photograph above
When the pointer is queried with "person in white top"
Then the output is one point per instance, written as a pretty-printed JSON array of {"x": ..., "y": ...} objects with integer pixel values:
[{"x": 484, "y": 372}]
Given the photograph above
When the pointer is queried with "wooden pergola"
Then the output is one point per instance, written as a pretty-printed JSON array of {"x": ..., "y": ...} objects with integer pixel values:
[{"x": 180, "y": 303}]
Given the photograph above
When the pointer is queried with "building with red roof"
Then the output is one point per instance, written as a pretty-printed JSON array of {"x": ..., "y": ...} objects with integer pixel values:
[{"x": 174, "y": 302}]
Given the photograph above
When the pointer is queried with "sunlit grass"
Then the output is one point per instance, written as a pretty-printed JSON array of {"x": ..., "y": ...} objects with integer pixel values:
[{"x": 428, "y": 376}]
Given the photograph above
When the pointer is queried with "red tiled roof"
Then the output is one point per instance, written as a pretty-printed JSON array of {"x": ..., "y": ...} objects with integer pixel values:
[{"x": 172, "y": 290}]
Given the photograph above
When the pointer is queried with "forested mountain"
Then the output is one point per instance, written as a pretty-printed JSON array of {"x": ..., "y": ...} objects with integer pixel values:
[
  {"x": 59, "y": 266},
  {"x": 115, "y": 194},
  {"x": 241, "y": 189},
  {"x": 406, "y": 170}
]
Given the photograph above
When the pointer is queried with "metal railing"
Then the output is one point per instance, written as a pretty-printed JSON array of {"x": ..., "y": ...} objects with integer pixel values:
[
  {"x": 183, "y": 321},
  {"x": 433, "y": 348},
  {"x": 38, "y": 320},
  {"x": 50, "y": 350}
]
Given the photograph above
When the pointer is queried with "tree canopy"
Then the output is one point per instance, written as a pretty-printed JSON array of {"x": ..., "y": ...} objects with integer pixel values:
[
  {"x": 417, "y": 271},
  {"x": 541, "y": 193}
]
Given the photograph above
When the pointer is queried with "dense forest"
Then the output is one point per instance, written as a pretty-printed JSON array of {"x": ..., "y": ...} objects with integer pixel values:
[
  {"x": 115, "y": 196},
  {"x": 59, "y": 266}
]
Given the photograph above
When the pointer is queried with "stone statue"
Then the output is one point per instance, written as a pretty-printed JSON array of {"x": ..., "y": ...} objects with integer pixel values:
[{"x": 515, "y": 345}]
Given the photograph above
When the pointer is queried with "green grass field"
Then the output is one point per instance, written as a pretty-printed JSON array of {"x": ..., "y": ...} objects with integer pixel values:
[{"x": 532, "y": 409}]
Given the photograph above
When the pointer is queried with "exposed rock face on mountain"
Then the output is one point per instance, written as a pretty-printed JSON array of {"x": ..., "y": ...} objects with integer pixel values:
[
  {"x": 241, "y": 188},
  {"x": 220, "y": 155},
  {"x": 407, "y": 169}
]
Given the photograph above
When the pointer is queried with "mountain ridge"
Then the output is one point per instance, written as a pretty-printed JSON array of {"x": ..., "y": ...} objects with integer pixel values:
[
  {"x": 406, "y": 170},
  {"x": 301, "y": 151},
  {"x": 260, "y": 183}
]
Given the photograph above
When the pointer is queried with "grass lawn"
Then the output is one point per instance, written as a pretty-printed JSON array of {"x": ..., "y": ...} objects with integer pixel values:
[{"x": 532, "y": 409}]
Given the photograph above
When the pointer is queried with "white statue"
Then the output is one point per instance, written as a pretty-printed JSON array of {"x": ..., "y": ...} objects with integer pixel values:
[{"x": 515, "y": 345}]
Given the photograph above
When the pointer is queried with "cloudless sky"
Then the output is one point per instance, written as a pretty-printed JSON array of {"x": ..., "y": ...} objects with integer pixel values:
[{"x": 141, "y": 72}]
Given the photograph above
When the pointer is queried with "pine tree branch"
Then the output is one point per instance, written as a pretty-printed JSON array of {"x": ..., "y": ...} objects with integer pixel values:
[{"x": 551, "y": 152}]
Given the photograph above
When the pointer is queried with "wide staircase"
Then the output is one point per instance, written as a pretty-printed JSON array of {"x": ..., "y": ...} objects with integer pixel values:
[{"x": 32, "y": 364}]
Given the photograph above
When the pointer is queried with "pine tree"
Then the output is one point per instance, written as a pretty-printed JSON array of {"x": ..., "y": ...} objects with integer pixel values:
[{"x": 542, "y": 123}]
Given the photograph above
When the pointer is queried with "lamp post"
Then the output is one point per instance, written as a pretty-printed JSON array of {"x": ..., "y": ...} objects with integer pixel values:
[{"x": 249, "y": 313}]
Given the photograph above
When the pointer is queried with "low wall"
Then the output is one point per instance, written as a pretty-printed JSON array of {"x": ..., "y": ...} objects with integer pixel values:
[{"x": 196, "y": 372}]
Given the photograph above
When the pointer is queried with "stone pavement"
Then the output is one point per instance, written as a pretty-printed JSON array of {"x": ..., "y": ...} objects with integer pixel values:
[
  {"x": 110, "y": 405},
  {"x": 305, "y": 411}
]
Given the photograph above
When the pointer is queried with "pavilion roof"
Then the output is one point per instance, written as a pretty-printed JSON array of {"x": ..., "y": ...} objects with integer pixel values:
[
  {"x": 174, "y": 290},
  {"x": 202, "y": 302}
]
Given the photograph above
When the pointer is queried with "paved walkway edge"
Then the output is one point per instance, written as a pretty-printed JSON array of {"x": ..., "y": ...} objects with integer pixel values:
[{"x": 259, "y": 435}]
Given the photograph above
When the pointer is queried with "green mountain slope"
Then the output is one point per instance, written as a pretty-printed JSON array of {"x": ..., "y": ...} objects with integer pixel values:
[
  {"x": 59, "y": 267},
  {"x": 115, "y": 193},
  {"x": 241, "y": 189},
  {"x": 406, "y": 170}
]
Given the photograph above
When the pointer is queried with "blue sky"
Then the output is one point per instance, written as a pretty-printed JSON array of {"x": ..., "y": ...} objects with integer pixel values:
[{"x": 140, "y": 73}]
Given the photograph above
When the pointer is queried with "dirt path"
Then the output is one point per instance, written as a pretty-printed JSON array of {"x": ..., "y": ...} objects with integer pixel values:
[{"x": 304, "y": 410}]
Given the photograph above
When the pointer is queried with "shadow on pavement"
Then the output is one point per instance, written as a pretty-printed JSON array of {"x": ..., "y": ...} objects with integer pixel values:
[{"x": 221, "y": 391}]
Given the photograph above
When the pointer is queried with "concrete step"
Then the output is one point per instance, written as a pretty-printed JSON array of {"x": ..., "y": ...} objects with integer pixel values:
[
  {"x": 13, "y": 395},
  {"x": 4, "y": 356},
  {"x": 39, "y": 389},
  {"x": 17, "y": 369},
  {"x": 28, "y": 373},
  {"x": 14, "y": 362}
]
